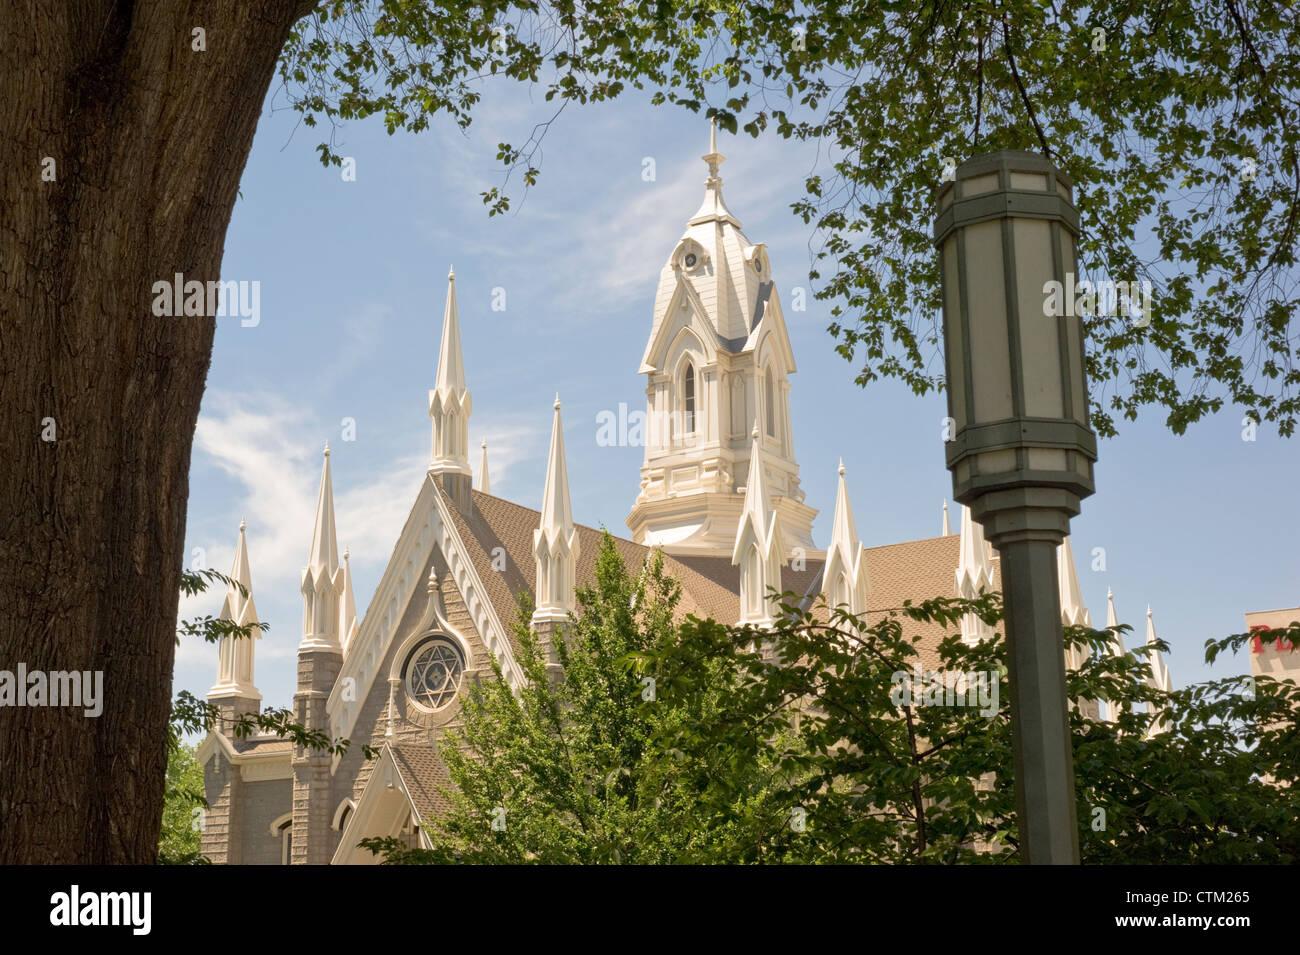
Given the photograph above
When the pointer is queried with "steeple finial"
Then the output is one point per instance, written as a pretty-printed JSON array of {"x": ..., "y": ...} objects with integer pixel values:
[
  {"x": 555, "y": 542},
  {"x": 449, "y": 400},
  {"x": 557, "y": 514},
  {"x": 947, "y": 530},
  {"x": 322, "y": 580},
  {"x": 974, "y": 573},
  {"x": 713, "y": 157},
  {"x": 759, "y": 550},
  {"x": 324, "y": 554},
  {"x": 235, "y": 654},
  {"x": 484, "y": 484},
  {"x": 845, "y": 579},
  {"x": 1159, "y": 678},
  {"x": 348, "y": 622}
]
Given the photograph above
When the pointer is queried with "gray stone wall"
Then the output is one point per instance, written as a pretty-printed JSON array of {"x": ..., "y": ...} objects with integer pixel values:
[{"x": 264, "y": 801}]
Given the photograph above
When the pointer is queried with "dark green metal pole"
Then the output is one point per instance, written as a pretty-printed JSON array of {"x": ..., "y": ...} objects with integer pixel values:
[{"x": 1040, "y": 721}]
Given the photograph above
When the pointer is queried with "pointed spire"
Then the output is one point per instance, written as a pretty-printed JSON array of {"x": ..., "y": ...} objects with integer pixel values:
[
  {"x": 1159, "y": 678},
  {"x": 713, "y": 208},
  {"x": 1073, "y": 612},
  {"x": 322, "y": 579},
  {"x": 757, "y": 501},
  {"x": 555, "y": 542},
  {"x": 484, "y": 484},
  {"x": 845, "y": 579},
  {"x": 713, "y": 157},
  {"x": 1116, "y": 647},
  {"x": 324, "y": 554},
  {"x": 974, "y": 573},
  {"x": 449, "y": 400},
  {"x": 557, "y": 515},
  {"x": 947, "y": 531},
  {"x": 759, "y": 550},
  {"x": 235, "y": 654},
  {"x": 451, "y": 363},
  {"x": 348, "y": 622}
]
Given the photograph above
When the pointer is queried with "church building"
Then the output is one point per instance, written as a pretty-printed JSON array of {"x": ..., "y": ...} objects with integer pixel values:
[{"x": 720, "y": 494}]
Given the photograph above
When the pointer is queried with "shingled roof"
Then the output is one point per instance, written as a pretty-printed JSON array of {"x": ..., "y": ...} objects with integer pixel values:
[
  {"x": 914, "y": 570},
  {"x": 496, "y": 522}
]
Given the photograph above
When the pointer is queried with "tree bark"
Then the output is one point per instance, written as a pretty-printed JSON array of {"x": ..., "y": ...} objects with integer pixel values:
[{"x": 149, "y": 138}]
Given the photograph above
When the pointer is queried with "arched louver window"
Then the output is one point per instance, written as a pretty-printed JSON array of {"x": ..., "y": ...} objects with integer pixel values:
[{"x": 688, "y": 390}]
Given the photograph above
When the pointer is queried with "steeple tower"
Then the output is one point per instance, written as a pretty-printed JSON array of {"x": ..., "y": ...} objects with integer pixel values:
[
  {"x": 845, "y": 578},
  {"x": 717, "y": 358},
  {"x": 759, "y": 549},
  {"x": 325, "y": 593},
  {"x": 234, "y": 692},
  {"x": 449, "y": 407},
  {"x": 322, "y": 583},
  {"x": 974, "y": 573},
  {"x": 555, "y": 542}
]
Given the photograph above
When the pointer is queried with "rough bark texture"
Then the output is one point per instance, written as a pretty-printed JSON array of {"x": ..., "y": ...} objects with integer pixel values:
[{"x": 149, "y": 138}]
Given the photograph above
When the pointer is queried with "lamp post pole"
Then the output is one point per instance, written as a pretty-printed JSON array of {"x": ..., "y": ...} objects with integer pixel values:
[{"x": 1021, "y": 449}]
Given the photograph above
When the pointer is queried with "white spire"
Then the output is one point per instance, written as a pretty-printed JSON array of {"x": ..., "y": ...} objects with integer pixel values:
[
  {"x": 449, "y": 401},
  {"x": 845, "y": 578},
  {"x": 947, "y": 530},
  {"x": 484, "y": 484},
  {"x": 235, "y": 654},
  {"x": 555, "y": 542},
  {"x": 713, "y": 208},
  {"x": 321, "y": 578},
  {"x": 1159, "y": 677},
  {"x": 759, "y": 550},
  {"x": 974, "y": 573},
  {"x": 1116, "y": 646},
  {"x": 557, "y": 515},
  {"x": 1073, "y": 612},
  {"x": 713, "y": 157},
  {"x": 348, "y": 622}
]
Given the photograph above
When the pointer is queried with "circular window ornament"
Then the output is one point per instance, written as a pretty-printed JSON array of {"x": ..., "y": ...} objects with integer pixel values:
[
  {"x": 758, "y": 264},
  {"x": 690, "y": 260},
  {"x": 433, "y": 674}
]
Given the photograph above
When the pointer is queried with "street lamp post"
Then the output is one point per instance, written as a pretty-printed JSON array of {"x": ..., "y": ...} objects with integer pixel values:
[{"x": 1021, "y": 449}]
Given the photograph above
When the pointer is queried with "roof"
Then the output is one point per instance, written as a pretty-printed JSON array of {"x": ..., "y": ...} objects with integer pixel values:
[
  {"x": 425, "y": 777},
  {"x": 496, "y": 522},
  {"x": 261, "y": 745},
  {"x": 914, "y": 570}
]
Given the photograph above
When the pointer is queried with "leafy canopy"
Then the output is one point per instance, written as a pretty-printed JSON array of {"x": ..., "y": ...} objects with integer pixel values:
[{"x": 1178, "y": 121}]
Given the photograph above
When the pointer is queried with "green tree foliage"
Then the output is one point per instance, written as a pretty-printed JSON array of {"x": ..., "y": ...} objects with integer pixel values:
[
  {"x": 1179, "y": 122},
  {"x": 565, "y": 769},
  {"x": 178, "y": 841},
  {"x": 796, "y": 745},
  {"x": 929, "y": 780}
]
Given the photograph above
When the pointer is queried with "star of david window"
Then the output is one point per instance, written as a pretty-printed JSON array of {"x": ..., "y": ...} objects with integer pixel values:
[{"x": 433, "y": 674}]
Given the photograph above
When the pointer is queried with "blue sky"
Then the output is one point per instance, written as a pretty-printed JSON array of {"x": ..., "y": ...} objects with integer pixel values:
[{"x": 353, "y": 281}]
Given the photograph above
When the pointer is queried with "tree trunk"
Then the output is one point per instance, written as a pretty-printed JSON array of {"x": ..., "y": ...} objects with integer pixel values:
[{"x": 148, "y": 138}]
